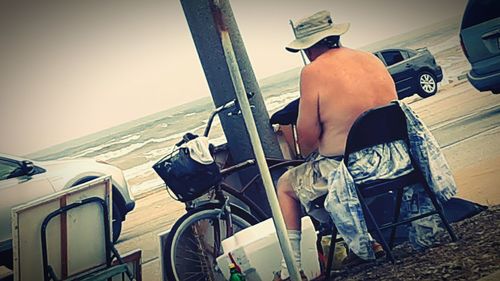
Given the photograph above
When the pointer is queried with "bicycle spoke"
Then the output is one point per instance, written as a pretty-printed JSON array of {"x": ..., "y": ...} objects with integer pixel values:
[
  {"x": 193, "y": 275},
  {"x": 197, "y": 243},
  {"x": 190, "y": 259},
  {"x": 205, "y": 261}
]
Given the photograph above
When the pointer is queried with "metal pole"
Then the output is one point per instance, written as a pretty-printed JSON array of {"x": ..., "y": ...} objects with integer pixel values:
[
  {"x": 294, "y": 128},
  {"x": 279, "y": 222},
  {"x": 301, "y": 51},
  {"x": 202, "y": 18}
]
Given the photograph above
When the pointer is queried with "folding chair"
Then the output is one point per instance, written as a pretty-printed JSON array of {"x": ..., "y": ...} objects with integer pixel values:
[
  {"x": 109, "y": 269},
  {"x": 377, "y": 126}
]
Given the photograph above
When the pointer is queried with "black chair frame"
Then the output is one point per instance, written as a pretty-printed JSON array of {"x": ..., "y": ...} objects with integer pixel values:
[
  {"x": 377, "y": 126},
  {"x": 111, "y": 251}
]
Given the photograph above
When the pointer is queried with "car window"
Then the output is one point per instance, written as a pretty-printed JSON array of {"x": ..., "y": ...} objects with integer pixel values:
[
  {"x": 411, "y": 53},
  {"x": 478, "y": 11},
  {"x": 392, "y": 57},
  {"x": 378, "y": 56},
  {"x": 405, "y": 54},
  {"x": 8, "y": 169}
]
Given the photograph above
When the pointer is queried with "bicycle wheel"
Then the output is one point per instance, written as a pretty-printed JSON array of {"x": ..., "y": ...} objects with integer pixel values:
[{"x": 190, "y": 247}]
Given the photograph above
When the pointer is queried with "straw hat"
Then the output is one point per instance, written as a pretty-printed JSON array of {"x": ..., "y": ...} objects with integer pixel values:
[{"x": 310, "y": 30}]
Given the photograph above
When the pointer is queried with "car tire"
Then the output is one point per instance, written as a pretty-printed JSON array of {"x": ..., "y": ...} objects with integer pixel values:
[
  {"x": 116, "y": 223},
  {"x": 426, "y": 84}
]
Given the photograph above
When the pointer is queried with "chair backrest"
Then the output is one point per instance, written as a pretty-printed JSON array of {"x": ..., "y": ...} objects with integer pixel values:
[{"x": 376, "y": 126}]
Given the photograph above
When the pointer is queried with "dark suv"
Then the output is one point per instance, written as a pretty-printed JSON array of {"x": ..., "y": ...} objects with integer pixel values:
[
  {"x": 412, "y": 71},
  {"x": 480, "y": 40}
]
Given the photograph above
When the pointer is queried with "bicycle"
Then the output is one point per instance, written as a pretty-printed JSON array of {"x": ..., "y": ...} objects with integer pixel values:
[{"x": 194, "y": 241}]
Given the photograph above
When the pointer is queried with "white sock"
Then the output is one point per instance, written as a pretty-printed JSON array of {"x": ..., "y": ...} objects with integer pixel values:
[{"x": 294, "y": 236}]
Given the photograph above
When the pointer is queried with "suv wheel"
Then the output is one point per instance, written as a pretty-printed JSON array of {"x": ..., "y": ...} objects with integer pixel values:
[{"x": 427, "y": 85}]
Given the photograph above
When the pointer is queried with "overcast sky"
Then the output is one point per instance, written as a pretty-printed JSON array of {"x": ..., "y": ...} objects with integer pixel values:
[{"x": 71, "y": 68}]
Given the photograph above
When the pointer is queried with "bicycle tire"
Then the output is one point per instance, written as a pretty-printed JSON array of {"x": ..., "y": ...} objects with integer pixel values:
[{"x": 182, "y": 258}]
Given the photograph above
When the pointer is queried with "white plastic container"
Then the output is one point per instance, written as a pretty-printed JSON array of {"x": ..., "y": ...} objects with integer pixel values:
[{"x": 256, "y": 250}]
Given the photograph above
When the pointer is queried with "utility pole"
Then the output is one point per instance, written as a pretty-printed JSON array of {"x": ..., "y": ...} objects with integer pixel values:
[{"x": 203, "y": 18}]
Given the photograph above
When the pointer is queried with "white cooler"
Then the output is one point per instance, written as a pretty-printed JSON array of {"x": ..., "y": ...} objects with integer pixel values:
[{"x": 256, "y": 250}]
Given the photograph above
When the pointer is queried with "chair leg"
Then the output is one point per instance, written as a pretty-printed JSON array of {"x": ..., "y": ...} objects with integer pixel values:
[
  {"x": 439, "y": 209},
  {"x": 331, "y": 253},
  {"x": 397, "y": 212},
  {"x": 377, "y": 229},
  {"x": 319, "y": 247}
]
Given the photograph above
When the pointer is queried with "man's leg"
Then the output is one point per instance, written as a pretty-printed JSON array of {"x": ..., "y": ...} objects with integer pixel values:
[
  {"x": 289, "y": 203},
  {"x": 290, "y": 208}
]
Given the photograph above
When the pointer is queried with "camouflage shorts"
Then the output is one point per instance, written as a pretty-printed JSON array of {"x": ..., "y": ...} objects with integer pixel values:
[{"x": 310, "y": 179}]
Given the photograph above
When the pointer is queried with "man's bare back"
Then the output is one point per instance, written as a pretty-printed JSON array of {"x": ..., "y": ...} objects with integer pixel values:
[{"x": 335, "y": 89}]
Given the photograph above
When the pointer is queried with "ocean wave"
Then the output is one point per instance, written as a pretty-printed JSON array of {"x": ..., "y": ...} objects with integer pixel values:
[
  {"x": 275, "y": 103},
  {"x": 110, "y": 143},
  {"x": 126, "y": 139},
  {"x": 113, "y": 154},
  {"x": 143, "y": 170},
  {"x": 119, "y": 152},
  {"x": 146, "y": 186},
  {"x": 155, "y": 153}
]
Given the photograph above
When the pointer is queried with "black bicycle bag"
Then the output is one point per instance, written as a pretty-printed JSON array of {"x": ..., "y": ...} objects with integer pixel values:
[{"x": 185, "y": 177}]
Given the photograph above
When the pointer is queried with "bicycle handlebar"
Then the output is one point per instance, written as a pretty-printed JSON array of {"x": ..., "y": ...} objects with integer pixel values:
[
  {"x": 230, "y": 104},
  {"x": 227, "y": 105},
  {"x": 187, "y": 137}
]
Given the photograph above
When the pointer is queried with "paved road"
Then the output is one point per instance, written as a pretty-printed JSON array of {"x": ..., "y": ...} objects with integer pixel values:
[{"x": 465, "y": 123}]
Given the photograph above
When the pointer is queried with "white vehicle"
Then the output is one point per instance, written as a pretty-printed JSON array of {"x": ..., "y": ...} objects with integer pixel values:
[{"x": 22, "y": 180}]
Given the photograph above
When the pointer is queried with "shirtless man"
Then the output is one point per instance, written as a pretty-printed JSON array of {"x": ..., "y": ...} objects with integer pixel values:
[{"x": 335, "y": 88}]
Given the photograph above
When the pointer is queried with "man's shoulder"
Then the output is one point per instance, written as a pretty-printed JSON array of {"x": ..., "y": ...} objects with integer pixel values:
[
  {"x": 309, "y": 70},
  {"x": 326, "y": 60},
  {"x": 322, "y": 67}
]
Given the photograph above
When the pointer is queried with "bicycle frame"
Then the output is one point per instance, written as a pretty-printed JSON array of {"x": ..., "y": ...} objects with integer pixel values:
[
  {"x": 273, "y": 164},
  {"x": 219, "y": 197},
  {"x": 240, "y": 194},
  {"x": 221, "y": 201}
]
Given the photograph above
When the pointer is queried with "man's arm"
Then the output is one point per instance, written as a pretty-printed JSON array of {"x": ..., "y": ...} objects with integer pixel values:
[{"x": 308, "y": 123}]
